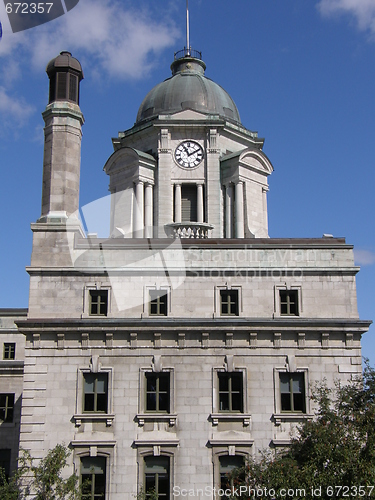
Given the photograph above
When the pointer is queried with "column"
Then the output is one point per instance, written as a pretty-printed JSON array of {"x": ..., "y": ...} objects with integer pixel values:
[
  {"x": 228, "y": 211},
  {"x": 200, "y": 210},
  {"x": 138, "y": 210},
  {"x": 177, "y": 203},
  {"x": 240, "y": 228},
  {"x": 148, "y": 211}
]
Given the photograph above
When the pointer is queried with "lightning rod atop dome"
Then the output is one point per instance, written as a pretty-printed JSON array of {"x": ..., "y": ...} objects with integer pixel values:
[{"x": 187, "y": 29}]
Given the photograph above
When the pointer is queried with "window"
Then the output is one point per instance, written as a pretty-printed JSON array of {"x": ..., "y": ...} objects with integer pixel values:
[
  {"x": 5, "y": 461},
  {"x": 158, "y": 303},
  {"x": 98, "y": 302},
  {"x": 229, "y": 302},
  {"x": 95, "y": 392},
  {"x": 157, "y": 477},
  {"x": 292, "y": 392},
  {"x": 158, "y": 392},
  {"x": 289, "y": 302},
  {"x": 6, "y": 407},
  {"x": 93, "y": 478},
  {"x": 230, "y": 392},
  {"x": 9, "y": 351},
  {"x": 189, "y": 203},
  {"x": 227, "y": 465}
]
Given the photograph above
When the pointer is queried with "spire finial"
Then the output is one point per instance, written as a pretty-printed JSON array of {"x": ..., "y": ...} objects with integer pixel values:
[{"x": 187, "y": 29}]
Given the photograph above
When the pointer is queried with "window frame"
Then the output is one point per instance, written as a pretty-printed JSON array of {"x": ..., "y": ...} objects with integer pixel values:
[
  {"x": 228, "y": 293},
  {"x": 166, "y": 375},
  {"x": 86, "y": 313},
  {"x": 281, "y": 415},
  {"x": 278, "y": 289},
  {"x": 292, "y": 376},
  {"x": 7, "y": 407},
  {"x": 12, "y": 351},
  {"x": 156, "y": 474},
  {"x": 160, "y": 299},
  {"x": 217, "y": 416},
  {"x": 94, "y": 496},
  {"x": 217, "y": 300},
  {"x": 231, "y": 392},
  {"x": 148, "y": 289},
  {"x": 95, "y": 393},
  {"x": 145, "y": 415},
  {"x": 87, "y": 416},
  {"x": 102, "y": 300}
]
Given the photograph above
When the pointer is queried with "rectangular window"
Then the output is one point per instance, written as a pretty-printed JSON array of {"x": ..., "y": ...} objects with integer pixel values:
[
  {"x": 5, "y": 461},
  {"x": 292, "y": 391},
  {"x": 6, "y": 407},
  {"x": 156, "y": 481},
  {"x": 189, "y": 207},
  {"x": 9, "y": 351},
  {"x": 61, "y": 86},
  {"x": 230, "y": 392},
  {"x": 73, "y": 86},
  {"x": 289, "y": 302},
  {"x": 228, "y": 464},
  {"x": 229, "y": 302},
  {"x": 93, "y": 478},
  {"x": 95, "y": 392},
  {"x": 158, "y": 392},
  {"x": 158, "y": 303},
  {"x": 98, "y": 302}
]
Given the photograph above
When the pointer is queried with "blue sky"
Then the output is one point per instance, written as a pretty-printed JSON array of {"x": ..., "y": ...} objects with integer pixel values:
[{"x": 302, "y": 73}]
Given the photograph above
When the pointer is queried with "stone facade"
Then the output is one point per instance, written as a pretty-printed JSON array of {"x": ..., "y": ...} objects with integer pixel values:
[{"x": 163, "y": 361}]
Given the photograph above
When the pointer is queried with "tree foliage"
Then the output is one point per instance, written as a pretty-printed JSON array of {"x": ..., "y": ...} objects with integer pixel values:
[
  {"x": 333, "y": 455},
  {"x": 43, "y": 481}
]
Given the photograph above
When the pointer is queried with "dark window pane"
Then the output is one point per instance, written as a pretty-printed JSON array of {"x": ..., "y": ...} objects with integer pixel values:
[
  {"x": 73, "y": 88},
  {"x": 52, "y": 88},
  {"x": 151, "y": 402},
  {"x": 224, "y": 402},
  {"x": 284, "y": 309},
  {"x": 89, "y": 402},
  {"x": 285, "y": 402},
  {"x": 223, "y": 382},
  {"x": 237, "y": 383},
  {"x": 61, "y": 85},
  {"x": 164, "y": 402},
  {"x": 237, "y": 402},
  {"x": 102, "y": 402},
  {"x": 94, "y": 309},
  {"x": 163, "y": 383},
  {"x": 151, "y": 383},
  {"x": 298, "y": 402}
]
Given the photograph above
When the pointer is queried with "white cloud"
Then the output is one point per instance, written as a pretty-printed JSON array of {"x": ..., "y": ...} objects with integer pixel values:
[
  {"x": 13, "y": 109},
  {"x": 363, "y": 11},
  {"x": 364, "y": 257},
  {"x": 122, "y": 42}
]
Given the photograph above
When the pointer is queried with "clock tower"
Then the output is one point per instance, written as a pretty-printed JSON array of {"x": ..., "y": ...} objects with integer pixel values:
[{"x": 188, "y": 167}]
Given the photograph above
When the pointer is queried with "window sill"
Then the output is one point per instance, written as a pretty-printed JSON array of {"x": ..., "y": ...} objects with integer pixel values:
[
  {"x": 153, "y": 417},
  {"x": 216, "y": 417},
  {"x": 292, "y": 416},
  {"x": 108, "y": 418}
]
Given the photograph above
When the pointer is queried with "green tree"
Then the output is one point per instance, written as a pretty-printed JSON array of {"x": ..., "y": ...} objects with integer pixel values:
[
  {"x": 43, "y": 481},
  {"x": 333, "y": 455}
]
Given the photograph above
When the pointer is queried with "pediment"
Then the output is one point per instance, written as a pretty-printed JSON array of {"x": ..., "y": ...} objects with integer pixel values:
[
  {"x": 128, "y": 157},
  {"x": 186, "y": 114},
  {"x": 250, "y": 158}
]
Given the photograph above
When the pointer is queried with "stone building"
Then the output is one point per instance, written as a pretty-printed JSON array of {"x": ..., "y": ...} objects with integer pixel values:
[{"x": 188, "y": 340}]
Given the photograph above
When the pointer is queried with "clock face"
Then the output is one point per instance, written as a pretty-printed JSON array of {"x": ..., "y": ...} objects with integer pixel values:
[{"x": 189, "y": 154}]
